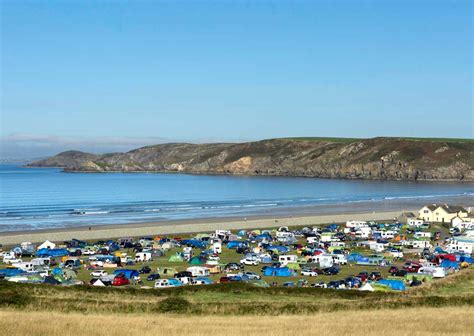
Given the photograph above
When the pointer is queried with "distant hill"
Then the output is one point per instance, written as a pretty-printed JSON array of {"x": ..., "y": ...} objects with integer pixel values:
[{"x": 376, "y": 158}]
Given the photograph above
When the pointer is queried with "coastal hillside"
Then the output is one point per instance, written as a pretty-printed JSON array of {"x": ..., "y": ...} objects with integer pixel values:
[{"x": 376, "y": 158}]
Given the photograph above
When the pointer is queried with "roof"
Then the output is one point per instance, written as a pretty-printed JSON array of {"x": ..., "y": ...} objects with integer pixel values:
[
  {"x": 452, "y": 208},
  {"x": 432, "y": 207}
]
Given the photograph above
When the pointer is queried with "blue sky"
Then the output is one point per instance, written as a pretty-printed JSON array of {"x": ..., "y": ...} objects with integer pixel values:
[{"x": 230, "y": 70}]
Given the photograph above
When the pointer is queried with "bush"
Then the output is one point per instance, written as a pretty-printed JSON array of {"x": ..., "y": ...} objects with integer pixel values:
[
  {"x": 13, "y": 298},
  {"x": 174, "y": 305}
]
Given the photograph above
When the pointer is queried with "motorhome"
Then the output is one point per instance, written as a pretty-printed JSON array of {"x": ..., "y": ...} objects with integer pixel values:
[
  {"x": 415, "y": 222},
  {"x": 217, "y": 247},
  {"x": 435, "y": 272},
  {"x": 143, "y": 256},
  {"x": 339, "y": 259},
  {"x": 356, "y": 224},
  {"x": 198, "y": 271}
]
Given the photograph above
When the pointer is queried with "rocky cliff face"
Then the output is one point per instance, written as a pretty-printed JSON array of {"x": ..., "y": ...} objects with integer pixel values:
[{"x": 378, "y": 158}]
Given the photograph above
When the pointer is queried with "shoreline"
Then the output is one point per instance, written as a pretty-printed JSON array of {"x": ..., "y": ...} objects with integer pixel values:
[{"x": 298, "y": 216}]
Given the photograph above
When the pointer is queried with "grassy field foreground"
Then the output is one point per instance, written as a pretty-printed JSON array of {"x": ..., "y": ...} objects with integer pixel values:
[{"x": 413, "y": 321}]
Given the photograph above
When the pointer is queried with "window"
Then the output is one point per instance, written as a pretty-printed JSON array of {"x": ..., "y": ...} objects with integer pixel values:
[{"x": 426, "y": 211}]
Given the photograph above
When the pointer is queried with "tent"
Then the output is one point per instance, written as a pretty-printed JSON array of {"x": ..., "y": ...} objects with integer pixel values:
[
  {"x": 45, "y": 252},
  {"x": 51, "y": 281},
  {"x": 9, "y": 272},
  {"x": 235, "y": 244},
  {"x": 129, "y": 273},
  {"x": 194, "y": 243},
  {"x": 393, "y": 284},
  {"x": 176, "y": 258},
  {"x": 294, "y": 266},
  {"x": 449, "y": 264},
  {"x": 278, "y": 248},
  {"x": 98, "y": 283},
  {"x": 197, "y": 261},
  {"x": 278, "y": 271},
  {"x": 47, "y": 245},
  {"x": 367, "y": 287}
]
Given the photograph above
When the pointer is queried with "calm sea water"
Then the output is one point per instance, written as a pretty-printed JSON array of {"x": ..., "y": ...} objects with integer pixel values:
[{"x": 48, "y": 198}]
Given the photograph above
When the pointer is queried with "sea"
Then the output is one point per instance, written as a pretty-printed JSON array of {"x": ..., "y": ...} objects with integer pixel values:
[{"x": 47, "y": 198}]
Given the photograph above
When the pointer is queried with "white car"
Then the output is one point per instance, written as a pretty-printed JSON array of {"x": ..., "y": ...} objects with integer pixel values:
[
  {"x": 99, "y": 273},
  {"x": 88, "y": 252},
  {"x": 250, "y": 261},
  {"x": 309, "y": 273},
  {"x": 97, "y": 263}
]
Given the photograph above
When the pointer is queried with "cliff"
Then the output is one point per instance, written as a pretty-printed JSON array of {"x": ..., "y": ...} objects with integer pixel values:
[{"x": 377, "y": 158}]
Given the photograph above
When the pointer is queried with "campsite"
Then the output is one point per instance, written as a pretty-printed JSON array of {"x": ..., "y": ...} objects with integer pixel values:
[{"x": 365, "y": 256}]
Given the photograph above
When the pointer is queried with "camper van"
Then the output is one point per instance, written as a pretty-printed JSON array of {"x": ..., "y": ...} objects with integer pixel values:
[
  {"x": 217, "y": 247},
  {"x": 422, "y": 234},
  {"x": 167, "y": 283},
  {"x": 287, "y": 258},
  {"x": 143, "y": 256},
  {"x": 198, "y": 271},
  {"x": 324, "y": 260},
  {"x": 435, "y": 272},
  {"x": 356, "y": 224},
  {"x": 25, "y": 266},
  {"x": 339, "y": 259}
]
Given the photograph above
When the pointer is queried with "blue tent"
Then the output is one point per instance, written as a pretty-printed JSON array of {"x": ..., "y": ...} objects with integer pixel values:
[
  {"x": 393, "y": 284},
  {"x": 354, "y": 257},
  {"x": 278, "y": 271},
  {"x": 44, "y": 252},
  {"x": 194, "y": 243},
  {"x": 235, "y": 244},
  {"x": 264, "y": 236},
  {"x": 129, "y": 273},
  {"x": 466, "y": 258},
  {"x": 439, "y": 250},
  {"x": 280, "y": 249},
  {"x": 449, "y": 264},
  {"x": 10, "y": 271}
]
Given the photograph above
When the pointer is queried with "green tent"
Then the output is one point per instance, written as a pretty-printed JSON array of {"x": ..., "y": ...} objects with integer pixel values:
[
  {"x": 176, "y": 258},
  {"x": 196, "y": 261},
  {"x": 293, "y": 266}
]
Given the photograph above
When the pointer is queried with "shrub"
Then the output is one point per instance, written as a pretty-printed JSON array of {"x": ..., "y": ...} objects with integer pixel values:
[{"x": 174, "y": 305}]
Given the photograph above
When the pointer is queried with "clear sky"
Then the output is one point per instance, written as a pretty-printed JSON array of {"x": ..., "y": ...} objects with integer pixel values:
[{"x": 236, "y": 69}]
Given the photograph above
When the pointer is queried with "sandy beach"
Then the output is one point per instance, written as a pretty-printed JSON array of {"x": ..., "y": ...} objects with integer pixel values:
[{"x": 187, "y": 226}]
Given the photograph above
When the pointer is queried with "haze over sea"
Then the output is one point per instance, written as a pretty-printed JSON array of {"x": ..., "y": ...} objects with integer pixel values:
[{"x": 41, "y": 198}]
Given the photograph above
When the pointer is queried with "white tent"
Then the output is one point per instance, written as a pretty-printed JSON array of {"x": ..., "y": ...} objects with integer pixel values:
[
  {"x": 367, "y": 287},
  {"x": 47, "y": 244},
  {"x": 98, "y": 283}
]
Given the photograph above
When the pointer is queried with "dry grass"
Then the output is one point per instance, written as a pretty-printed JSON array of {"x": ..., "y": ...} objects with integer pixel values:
[{"x": 412, "y": 322}]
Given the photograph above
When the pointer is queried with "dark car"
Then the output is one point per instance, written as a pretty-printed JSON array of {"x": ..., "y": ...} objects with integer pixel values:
[
  {"x": 393, "y": 270},
  {"x": 334, "y": 284},
  {"x": 330, "y": 271},
  {"x": 144, "y": 270},
  {"x": 375, "y": 276},
  {"x": 400, "y": 273},
  {"x": 183, "y": 274},
  {"x": 224, "y": 279},
  {"x": 232, "y": 267},
  {"x": 153, "y": 277}
]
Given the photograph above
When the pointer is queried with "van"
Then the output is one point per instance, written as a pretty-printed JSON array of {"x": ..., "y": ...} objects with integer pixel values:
[
  {"x": 287, "y": 258},
  {"x": 167, "y": 283},
  {"x": 435, "y": 272},
  {"x": 143, "y": 256},
  {"x": 339, "y": 259},
  {"x": 217, "y": 247}
]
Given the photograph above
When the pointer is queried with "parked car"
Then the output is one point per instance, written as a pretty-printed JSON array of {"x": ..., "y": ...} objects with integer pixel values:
[
  {"x": 99, "y": 273},
  {"x": 120, "y": 280},
  {"x": 375, "y": 276},
  {"x": 330, "y": 271},
  {"x": 153, "y": 277},
  {"x": 144, "y": 270},
  {"x": 183, "y": 274},
  {"x": 250, "y": 275},
  {"x": 309, "y": 272}
]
